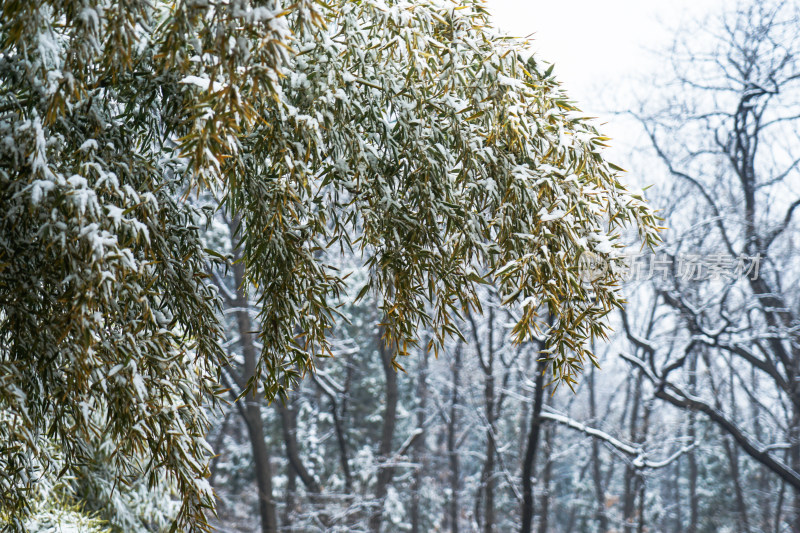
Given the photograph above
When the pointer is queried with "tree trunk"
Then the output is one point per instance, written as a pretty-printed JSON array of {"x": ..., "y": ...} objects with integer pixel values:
[
  {"x": 544, "y": 505},
  {"x": 418, "y": 451},
  {"x": 261, "y": 456},
  {"x": 631, "y": 475},
  {"x": 694, "y": 504},
  {"x": 794, "y": 460},
  {"x": 339, "y": 426},
  {"x": 640, "y": 485},
  {"x": 676, "y": 496},
  {"x": 487, "y": 477},
  {"x": 733, "y": 461},
  {"x": 599, "y": 490},
  {"x": 452, "y": 452},
  {"x": 485, "y": 493},
  {"x": 289, "y": 429},
  {"x": 252, "y": 410},
  {"x": 291, "y": 494},
  {"x": 732, "y": 453},
  {"x": 779, "y": 504},
  {"x": 529, "y": 461},
  {"x": 385, "y": 471}
]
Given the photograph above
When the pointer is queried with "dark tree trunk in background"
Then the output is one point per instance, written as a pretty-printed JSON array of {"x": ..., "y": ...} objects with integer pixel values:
[
  {"x": 419, "y": 456},
  {"x": 631, "y": 482},
  {"x": 484, "y": 496},
  {"x": 794, "y": 456},
  {"x": 640, "y": 484},
  {"x": 289, "y": 429},
  {"x": 733, "y": 462},
  {"x": 732, "y": 453},
  {"x": 339, "y": 426},
  {"x": 779, "y": 504},
  {"x": 677, "y": 498},
  {"x": 452, "y": 451},
  {"x": 529, "y": 460},
  {"x": 597, "y": 475},
  {"x": 694, "y": 504},
  {"x": 252, "y": 409},
  {"x": 237, "y": 377},
  {"x": 291, "y": 494},
  {"x": 385, "y": 471},
  {"x": 544, "y": 502},
  {"x": 487, "y": 477},
  {"x": 261, "y": 456}
]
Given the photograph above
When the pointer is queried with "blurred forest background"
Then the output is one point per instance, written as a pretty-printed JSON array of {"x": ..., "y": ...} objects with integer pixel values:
[{"x": 692, "y": 421}]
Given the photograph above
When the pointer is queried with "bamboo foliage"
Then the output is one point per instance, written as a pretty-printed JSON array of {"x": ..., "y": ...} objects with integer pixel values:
[{"x": 410, "y": 132}]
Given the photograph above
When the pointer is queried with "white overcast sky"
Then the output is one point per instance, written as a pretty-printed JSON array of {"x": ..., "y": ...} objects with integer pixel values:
[{"x": 597, "y": 45}]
